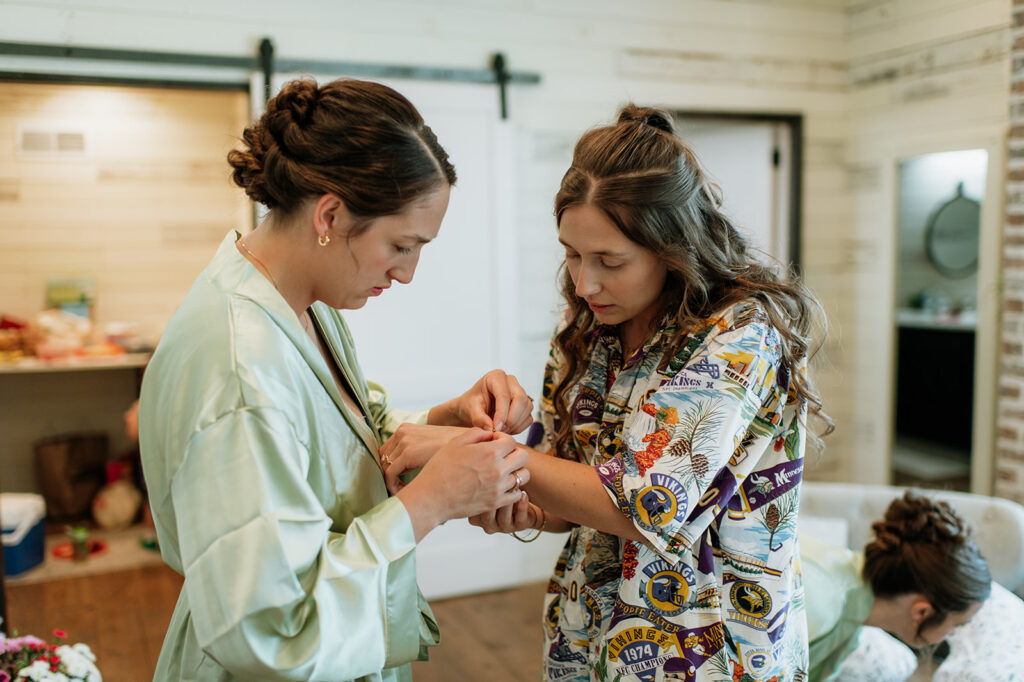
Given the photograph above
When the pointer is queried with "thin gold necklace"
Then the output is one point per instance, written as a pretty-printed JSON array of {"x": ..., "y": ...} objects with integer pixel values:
[{"x": 241, "y": 242}]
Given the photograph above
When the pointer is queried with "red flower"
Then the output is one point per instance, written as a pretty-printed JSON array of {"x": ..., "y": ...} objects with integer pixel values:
[
  {"x": 656, "y": 443},
  {"x": 60, "y": 634}
]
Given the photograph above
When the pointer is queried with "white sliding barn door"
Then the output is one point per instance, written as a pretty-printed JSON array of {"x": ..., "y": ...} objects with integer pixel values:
[
  {"x": 432, "y": 339},
  {"x": 749, "y": 161}
]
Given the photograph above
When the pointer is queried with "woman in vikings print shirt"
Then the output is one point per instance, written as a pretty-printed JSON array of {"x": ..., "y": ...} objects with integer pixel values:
[{"x": 675, "y": 405}]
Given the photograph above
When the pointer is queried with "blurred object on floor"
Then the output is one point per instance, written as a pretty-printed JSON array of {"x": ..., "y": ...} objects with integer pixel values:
[{"x": 124, "y": 550}]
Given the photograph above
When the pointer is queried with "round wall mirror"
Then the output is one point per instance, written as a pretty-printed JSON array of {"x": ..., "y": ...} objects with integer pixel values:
[{"x": 951, "y": 237}]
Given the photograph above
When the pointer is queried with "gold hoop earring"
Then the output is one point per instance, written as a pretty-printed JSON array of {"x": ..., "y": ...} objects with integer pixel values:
[{"x": 324, "y": 239}]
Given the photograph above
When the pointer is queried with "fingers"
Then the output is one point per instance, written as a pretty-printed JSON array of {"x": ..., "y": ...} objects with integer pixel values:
[
  {"x": 503, "y": 517},
  {"x": 486, "y": 521},
  {"x": 522, "y": 514},
  {"x": 515, "y": 459},
  {"x": 392, "y": 480},
  {"x": 497, "y": 385},
  {"x": 518, "y": 478},
  {"x": 471, "y": 436},
  {"x": 520, "y": 407}
]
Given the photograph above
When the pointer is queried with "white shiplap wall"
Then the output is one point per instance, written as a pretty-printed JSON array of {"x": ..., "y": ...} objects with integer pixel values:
[
  {"x": 864, "y": 75},
  {"x": 925, "y": 76}
]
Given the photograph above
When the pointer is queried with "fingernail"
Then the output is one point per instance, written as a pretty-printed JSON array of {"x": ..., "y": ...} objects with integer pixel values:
[{"x": 499, "y": 426}]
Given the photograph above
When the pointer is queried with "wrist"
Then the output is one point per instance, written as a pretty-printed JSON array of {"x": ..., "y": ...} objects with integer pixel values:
[
  {"x": 445, "y": 414},
  {"x": 425, "y": 511},
  {"x": 541, "y": 520}
]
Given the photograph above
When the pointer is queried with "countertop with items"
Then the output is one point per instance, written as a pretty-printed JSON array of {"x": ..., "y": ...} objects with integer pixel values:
[{"x": 56, "y": 340}]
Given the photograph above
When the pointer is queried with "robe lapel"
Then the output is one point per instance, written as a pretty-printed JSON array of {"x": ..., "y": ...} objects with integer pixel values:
[
  {"x": 256, "y": 287},
  {"x": 367, "y": 432}
]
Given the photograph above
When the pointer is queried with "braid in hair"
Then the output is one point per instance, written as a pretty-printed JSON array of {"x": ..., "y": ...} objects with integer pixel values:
[{"x": 922, "y": 546}]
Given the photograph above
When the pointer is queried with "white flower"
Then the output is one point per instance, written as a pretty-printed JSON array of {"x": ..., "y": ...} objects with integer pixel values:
[
  {"x": 76, "y": 665},
  {"x": 77, "y": 661},
  {"x": 85, "y": 651},
  {"x": 39, "y": 671}
]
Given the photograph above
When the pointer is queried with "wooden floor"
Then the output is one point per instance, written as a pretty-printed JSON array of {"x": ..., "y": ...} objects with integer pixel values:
[{"x": 123, "y": 617}]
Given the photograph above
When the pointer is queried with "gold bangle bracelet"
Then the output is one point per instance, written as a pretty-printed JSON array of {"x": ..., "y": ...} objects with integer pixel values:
[{"x": 543, "y": 523}]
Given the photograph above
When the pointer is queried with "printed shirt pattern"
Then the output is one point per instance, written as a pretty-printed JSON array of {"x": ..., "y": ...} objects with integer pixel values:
[{"x": 705, "y": 456}]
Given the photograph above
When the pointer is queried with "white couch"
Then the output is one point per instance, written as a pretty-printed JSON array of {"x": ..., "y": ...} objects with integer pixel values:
[
  {"x": 990, "y": 647},
  {"x": 825, "y": 508}
]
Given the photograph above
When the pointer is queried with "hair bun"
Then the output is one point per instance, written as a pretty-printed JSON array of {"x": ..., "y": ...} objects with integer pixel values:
[
  {"x": 655, "y": 118},
  {"x": 299, "y": 99},
  {"x": 917, "y": 519}
]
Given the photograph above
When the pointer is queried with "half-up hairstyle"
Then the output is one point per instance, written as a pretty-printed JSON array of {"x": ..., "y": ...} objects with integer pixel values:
[
  {"x": 922, "y": 546},
  {"x": 648, "y": 182},
  {"x": 361, "y": 141}
]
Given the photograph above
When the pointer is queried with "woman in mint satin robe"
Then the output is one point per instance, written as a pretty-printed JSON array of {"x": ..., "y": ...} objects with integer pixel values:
[
  {"x": 259, "y": 434},
  {"x": 919, "y": 578}
]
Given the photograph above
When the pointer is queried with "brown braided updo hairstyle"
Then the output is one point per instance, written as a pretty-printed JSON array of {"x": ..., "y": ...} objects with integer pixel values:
[
  {"x": 359, "y": 140},
  {"x": 922, "y": 546},
  {"x": 648, "y": 182}
]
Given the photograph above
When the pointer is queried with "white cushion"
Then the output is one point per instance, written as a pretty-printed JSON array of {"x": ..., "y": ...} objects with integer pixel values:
[
  {"x": 879, "y": 657},
  {"x": 998, "y": 524},
  {"x": 832, "y": 530},
  {"x": 990, "y": 646}
]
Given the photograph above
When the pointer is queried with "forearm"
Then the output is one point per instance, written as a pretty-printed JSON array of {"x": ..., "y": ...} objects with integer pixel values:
[
  {"x": 424, "y": 514},
  {"x": 552, "y": 523},
  {"x": 445, "y": 414},
  {"x": 572, "y": 493}
]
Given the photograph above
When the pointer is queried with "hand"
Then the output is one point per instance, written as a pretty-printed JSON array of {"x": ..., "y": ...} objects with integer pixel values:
[
  {"x": 470, "y": 475},
  {"x": 523, "y": 515},
  {"x": 411, "y": 447},
  {"x": 495, "y": 402}
]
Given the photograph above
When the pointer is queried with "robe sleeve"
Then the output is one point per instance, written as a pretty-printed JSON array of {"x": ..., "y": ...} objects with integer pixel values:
[
  {"x": 386, "y": 420},
  {"x": 274, "y": 594},
  {"x": 680, "y": 442}
]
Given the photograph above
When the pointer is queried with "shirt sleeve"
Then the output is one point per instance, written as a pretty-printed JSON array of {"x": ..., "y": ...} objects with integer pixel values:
[
  {"x": 541, "y": 433},
  {"x": 274, "y": 594},
  {"x": 679, "y": 444},
  {"x": 386, "y": 420}
]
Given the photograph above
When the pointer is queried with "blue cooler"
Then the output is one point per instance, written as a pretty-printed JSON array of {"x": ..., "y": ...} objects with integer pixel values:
[{"x": 22, "y": 516}]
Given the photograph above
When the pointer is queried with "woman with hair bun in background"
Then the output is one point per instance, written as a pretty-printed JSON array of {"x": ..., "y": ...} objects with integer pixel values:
[
  {"x": 259, "y": 434},
  {"x": 920, "y": 578},
  {"x": 671, "y": 433}
]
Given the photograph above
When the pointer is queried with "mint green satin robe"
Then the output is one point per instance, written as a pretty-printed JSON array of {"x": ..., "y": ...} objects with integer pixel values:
[
  {"x": 268, "y": 496},
  {"x": 838, "y": 603}
]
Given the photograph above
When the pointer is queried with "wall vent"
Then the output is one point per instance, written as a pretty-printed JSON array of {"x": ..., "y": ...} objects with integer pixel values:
[{"x": 50, "y": 142}]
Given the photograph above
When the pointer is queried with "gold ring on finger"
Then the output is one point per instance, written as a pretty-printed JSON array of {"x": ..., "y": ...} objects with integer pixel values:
[{"x": 519, "y": 482}]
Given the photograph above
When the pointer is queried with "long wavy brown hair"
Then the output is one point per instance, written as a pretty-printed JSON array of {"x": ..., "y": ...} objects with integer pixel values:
[{"x": 648, "y": 181}]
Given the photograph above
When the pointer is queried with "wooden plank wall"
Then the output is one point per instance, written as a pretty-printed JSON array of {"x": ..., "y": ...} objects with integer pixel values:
[
  {"x": 925, "y": 76},
  {"x": 140, "y": 210},
  {"x": 865, "y": 75}
]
